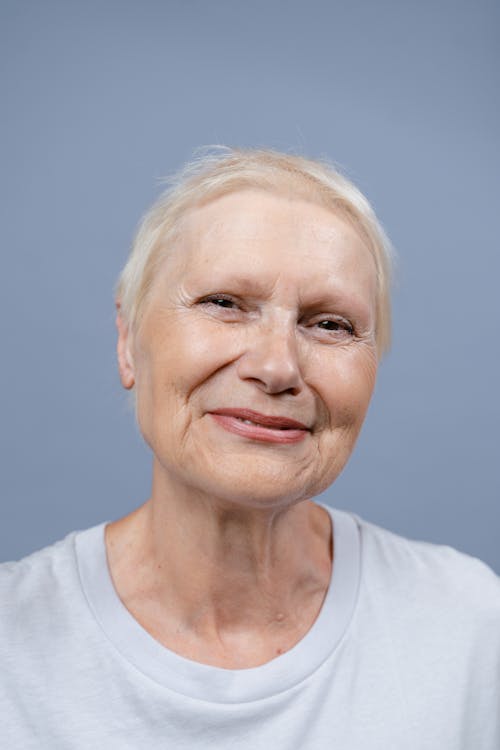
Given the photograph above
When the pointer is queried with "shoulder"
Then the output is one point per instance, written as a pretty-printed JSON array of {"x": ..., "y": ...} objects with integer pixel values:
[
  {"x": 38, "y": 592},
  {"x": 430, "y": 581},
  {"x": 22, "y": 577}
]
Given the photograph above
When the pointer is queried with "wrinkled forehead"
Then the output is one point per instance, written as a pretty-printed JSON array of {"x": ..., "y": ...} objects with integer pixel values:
[
  {"x": 257, "y": 246},
  {"x": 267, "y": 227}
]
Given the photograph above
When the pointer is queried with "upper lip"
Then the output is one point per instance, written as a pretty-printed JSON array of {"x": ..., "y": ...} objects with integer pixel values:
[{"x": 266, "y": 420}]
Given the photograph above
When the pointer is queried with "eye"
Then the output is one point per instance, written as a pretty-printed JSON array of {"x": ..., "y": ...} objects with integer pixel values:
[
  {"x": 219, "y": 300},
  {"x": 333, "y": 328},
  {"x": 335, "y": 325}
]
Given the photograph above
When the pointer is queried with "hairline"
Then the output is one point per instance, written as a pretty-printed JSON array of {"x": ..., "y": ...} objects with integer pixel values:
[{"x": 173, "y": 207}]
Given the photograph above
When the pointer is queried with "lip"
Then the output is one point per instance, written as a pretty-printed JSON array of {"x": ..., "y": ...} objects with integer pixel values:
[
  {"x": 266, "y": 420},
  {"x": 264, "y": 427}
]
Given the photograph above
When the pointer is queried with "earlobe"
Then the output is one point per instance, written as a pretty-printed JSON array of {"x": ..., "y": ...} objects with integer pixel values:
[{"x": 125, "y": 360}]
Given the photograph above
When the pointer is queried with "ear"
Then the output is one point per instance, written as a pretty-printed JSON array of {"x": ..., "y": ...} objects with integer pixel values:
[{"x": 125, "y": 360}]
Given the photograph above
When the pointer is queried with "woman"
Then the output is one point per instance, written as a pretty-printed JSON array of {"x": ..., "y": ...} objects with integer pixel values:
[{"x": 231, "y": 610}]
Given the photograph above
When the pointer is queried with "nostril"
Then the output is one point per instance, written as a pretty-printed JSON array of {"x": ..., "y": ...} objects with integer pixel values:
[{"x": 273, "y": 365}]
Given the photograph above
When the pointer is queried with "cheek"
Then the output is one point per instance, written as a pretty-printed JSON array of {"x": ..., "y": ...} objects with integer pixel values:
[
  {"x": 348, "y": 388},
  {"x": 197, "y": 356},
  {"x": 174, "y": 364}
]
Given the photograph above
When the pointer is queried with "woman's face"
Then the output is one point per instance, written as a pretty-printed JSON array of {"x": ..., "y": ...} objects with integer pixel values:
[{"x": 255, "y": 359}]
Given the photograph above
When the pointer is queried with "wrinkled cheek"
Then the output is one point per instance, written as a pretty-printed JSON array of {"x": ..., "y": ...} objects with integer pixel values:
[
  {"x": 144, "y": 413},
  {"x": 203, "y": 356},
  {"x": 349, "y": 409},
  {"x": 355, "y": 411},
  {"x": 150, "y": 402},
  {"x": 353, "y": 391}
]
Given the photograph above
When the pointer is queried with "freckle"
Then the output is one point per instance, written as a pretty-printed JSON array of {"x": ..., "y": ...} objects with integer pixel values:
[{"x": 279, "y": 651}]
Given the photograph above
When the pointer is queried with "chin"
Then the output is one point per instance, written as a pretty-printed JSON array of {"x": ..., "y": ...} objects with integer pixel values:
[{"x": 262, "y": 485}]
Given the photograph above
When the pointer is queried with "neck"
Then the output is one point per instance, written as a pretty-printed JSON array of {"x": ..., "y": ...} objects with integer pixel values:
[{"x": 221, "y": 573}]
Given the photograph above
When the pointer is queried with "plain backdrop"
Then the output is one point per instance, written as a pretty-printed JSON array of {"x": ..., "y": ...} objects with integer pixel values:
[{"x": 100, "y": 99}]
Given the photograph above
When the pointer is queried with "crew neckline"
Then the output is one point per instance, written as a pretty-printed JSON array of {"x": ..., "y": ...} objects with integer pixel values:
[{"x": 218, "y": 684}]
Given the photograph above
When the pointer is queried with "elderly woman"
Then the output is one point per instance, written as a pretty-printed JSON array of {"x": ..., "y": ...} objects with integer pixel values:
[{"x": 231, "y": 609}]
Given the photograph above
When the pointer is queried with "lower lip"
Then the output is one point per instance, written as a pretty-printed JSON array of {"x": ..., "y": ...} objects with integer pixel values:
[{"x": 258, "y": 432}]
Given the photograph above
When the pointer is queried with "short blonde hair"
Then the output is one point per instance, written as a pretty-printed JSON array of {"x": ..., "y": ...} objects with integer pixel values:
[{"x": 221, "y": 170}]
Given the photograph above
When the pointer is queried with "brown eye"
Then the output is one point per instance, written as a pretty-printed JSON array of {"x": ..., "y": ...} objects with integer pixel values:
[
  {"x": 335, "y": 326},
  {"x": 219, "y": 301},
  {"x": 330, "y": 325}
]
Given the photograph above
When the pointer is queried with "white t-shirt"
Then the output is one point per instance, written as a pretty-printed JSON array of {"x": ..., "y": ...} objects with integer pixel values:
[{"x": 404, "y": 655}]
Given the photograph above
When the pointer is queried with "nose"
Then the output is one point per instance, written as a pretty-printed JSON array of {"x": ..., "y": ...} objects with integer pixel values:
[{"x": 271, "y": 361}]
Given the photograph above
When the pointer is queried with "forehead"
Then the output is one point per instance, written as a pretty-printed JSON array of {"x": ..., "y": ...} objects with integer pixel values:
[{"x": 260, "y": 233}]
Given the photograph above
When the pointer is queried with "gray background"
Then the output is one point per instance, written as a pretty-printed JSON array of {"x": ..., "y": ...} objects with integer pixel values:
[{"x": 100, "y": 99}]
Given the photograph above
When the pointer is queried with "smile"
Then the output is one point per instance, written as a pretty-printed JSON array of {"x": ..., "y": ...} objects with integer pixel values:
[{"x": 261, "y": 427}]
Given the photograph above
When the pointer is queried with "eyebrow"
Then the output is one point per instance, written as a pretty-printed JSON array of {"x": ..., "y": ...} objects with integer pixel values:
[
  {"x": 241, "y": 284},
  {"x": 345, "y": 301}
]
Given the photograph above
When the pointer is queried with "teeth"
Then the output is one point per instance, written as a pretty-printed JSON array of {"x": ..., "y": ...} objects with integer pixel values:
[{"x": 246, "y": 421}]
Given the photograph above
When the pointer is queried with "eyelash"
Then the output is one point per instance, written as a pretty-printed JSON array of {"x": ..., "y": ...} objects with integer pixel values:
[
  {"x": 214, "y": 299},
  {"x": 341, "y": 323}
]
